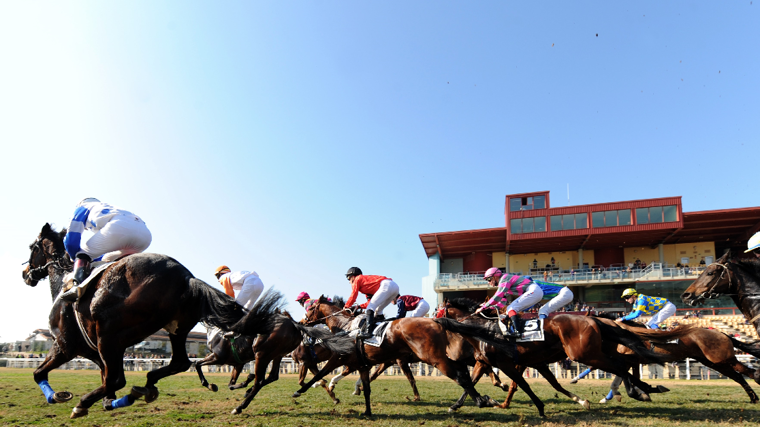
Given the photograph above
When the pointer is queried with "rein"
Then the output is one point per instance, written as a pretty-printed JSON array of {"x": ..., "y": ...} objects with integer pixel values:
[{"x": 315, "y": 321}]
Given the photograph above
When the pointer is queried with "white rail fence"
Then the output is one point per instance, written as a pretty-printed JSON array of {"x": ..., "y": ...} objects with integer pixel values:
[{"x": 684, "y": 370}]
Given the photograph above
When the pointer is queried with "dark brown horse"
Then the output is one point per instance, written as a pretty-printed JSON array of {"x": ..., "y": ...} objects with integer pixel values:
[
  {"x": 712, "y": 348},
  {"x": 132, "y": 299},
  {"x": 309, "y": 357},
  {"x": 285, "y": 335},
  {"x": 235, "y": 352},
  {"x": 421, "y": 337},
  {"x": 735, "y": 277}
]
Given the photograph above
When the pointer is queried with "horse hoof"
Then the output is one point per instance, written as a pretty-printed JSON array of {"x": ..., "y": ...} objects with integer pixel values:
[
  {"x": 336, "y": 401},
  {"x": 452, "y": 410},
  {"x": 662, "y": 389},
  {"x": 213, "y": 388},
  {"x": 78, "y": 412},
  {"x": 236, "y": 411},
  {"x": 138, "y": 392},
  {"x": 357, "y": 393},
  {"x": 107, "y": 404},
  {"x": 645, "y": 397},
  {"x": 62, "y": 396},
  {"x": 296, "y": 394},
  {"x": 367, "y": 414},
  {"x": 151, "y": 394},
  {"x": 585, "y": 404}
]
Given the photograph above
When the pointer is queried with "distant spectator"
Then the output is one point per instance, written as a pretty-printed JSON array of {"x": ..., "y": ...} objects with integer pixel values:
[
  {"x": 552, "y": 262},
  {"x": 702, "y": 261},
  {"x": 535, "y": 263}
]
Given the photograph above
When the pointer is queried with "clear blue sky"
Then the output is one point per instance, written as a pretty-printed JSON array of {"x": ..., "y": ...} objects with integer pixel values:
[{"x": 299, "y": 139}]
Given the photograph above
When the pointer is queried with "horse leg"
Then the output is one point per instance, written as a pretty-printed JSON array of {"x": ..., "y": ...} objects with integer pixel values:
[
  {"x": 113, "y": 380},
  {"x": 477, "y": 372},
  {"x": 459, "y": 373},
  {"x": 328, "y": 389},
  {"x": 547, "y": 373},
  {"x": 331, "y": 364},
  {"x": 259, "y": 370},
  {"x": 274, "y": 373},
  {"x": 512, "y": 388},
  {"x": 515, "y": 373},
  {"x": 178, "y": 363},
  {"x": 409, "y": 376},
  {"x": 635, "y": 388},
  {"x": 487, "y": 370},
  {"x": 736, "y": 372},
  {"x": 335, "y": 379},
  {"x": 236, "y": 371},
  {"x": 208, "y": 360},
  {"x": 364, "y": 373},
  {"x": 55, "y": 358}
]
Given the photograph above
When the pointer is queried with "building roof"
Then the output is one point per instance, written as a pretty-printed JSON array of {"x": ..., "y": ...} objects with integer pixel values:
[{"x": 733, "y": 226}]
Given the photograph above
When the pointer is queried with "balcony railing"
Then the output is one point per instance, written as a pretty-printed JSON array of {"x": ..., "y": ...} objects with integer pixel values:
[{"x": 614, "y": 274}]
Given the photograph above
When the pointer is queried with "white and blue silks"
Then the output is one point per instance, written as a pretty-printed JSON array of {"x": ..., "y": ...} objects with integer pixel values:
[{"x": 116, "y": 232}]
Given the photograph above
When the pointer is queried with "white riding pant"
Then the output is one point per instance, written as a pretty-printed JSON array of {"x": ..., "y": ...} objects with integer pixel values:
[
  {"x": 563, "y": 298},
  {"x": 422, "y": 309},
  {"x": 532, "y": 296},
  {"x": 250, "y": 292},
  {"x": 668, "y": 310},
  {"x": 385, "y": 294},
  {"x": 123, "y": 235}
]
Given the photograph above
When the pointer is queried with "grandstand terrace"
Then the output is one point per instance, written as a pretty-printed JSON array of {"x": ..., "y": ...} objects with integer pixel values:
[{"x": 598, "y": 250}]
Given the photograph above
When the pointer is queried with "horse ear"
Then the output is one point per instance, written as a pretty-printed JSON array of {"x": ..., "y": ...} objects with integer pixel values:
[
  {"x": 45, "y": 229},
  {"x": 726, "y": 256},
  {"x": 62, "y": 233}
]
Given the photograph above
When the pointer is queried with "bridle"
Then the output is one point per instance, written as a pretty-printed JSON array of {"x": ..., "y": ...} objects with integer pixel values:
[
  {"x": 725, "y": 271},
  {"x": 315, "y": 321},
  {"x": 57, "y": 262}
]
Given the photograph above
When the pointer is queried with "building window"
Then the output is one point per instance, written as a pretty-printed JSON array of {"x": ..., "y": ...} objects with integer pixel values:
[
  {"x": 656, "y": 214},
  {"x": 611, "y": 218},
  {"x": 569, "y": 222},
  {"x": 527, "y": 203},
  {"x": 528, "y": 225}
]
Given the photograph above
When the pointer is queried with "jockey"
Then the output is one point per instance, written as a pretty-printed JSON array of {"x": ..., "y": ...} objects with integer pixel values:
[
  {"x": 305, "y": 300},
  {"x": 642, "y": 304},
  {"x": 116, "y": 233},
  {"x": 412, "y": 305},
  {"x": 528, "y": 291},
  {"x": 248, "y": 284},
  {"x": 382, "y": 289},
  {"x": 753, "y": 245}
]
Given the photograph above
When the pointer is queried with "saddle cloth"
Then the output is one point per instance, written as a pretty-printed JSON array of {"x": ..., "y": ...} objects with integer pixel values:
[
  {"x": 69, "y": 277},
  {"x": 532, "y": 331},
  {"x": 378, "y": 334}
]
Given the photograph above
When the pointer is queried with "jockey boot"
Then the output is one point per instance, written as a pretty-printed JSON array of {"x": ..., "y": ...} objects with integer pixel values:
[
  {"x": 368, "y": 325},
  {"x": 516, "y": 324},
  {"x": 81, "y": 265}
]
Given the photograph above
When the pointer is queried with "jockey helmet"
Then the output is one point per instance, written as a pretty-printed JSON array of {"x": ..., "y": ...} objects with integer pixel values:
[
  {"x": 302, "y": 296},
  {"x": 354, "y": 271},
  {"x": 221, "y": 270},
  {"x": 492, "y": 272},
  {"x": 754, "y": 243},
  {"x": 88, "y": 200},
  {"x": 629, "y": 292}
]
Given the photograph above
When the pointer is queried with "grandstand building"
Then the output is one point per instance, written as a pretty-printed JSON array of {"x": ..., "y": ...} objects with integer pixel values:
[{"x": 597, "y": 250}]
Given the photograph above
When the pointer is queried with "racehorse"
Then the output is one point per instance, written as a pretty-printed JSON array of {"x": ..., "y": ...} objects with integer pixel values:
[
  {"x": 461, "y": 309},
  {"x": 127, "y": 302},
  {"x": 235, "y": 351},
  {"x": 324, "y": 311},
  {"x": 309, "y": 357},
  {"x": 735, "y": 277},
  {"x": 285, "y": 335},
  {"x": 417, "y": 336},
  {"x": 576, "y": 337},
  {"x": 712, "y": 348}
]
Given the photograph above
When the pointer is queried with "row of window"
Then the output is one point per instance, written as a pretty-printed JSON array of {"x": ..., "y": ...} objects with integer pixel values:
[
  {"x": 527, "y": 203},
  {"x": 654, "y": 215}
]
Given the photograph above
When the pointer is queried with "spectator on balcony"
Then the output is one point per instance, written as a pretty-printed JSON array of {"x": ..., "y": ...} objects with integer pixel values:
[
  {"x": 702, "y": 262},
  {"x": 546, "y": 275},
  {"x": 535, "y": 263},
  {"x": 552, "y": 262}
]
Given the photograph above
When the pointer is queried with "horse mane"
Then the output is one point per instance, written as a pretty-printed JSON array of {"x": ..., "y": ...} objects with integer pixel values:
[
  {"x": 338, "y": 301},
  {"x": 751, "y": 265},
  {"x": 469, "y": 305}
]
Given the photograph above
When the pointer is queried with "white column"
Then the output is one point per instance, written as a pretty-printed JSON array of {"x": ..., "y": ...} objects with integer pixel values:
[
  {"x": 661, "y": 250},
  {"x": 580, "y": 258},
  {"x": 506, "y": 269}
]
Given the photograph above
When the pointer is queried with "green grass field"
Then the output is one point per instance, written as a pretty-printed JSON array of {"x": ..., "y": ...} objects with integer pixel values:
[{"x": 184, "y": 403}]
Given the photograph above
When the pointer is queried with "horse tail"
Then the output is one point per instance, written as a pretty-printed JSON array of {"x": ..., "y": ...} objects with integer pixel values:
[
  {"x": 340, "y": 345},
  {"x": 217, "y": 308},
  {"x": 662, "y": 337},
  {"x": 263, "y": 316},
  {"x": 631, "y": 340},
  {"x": 485, "y": 334},
  {"x": 752, "y": 347}
]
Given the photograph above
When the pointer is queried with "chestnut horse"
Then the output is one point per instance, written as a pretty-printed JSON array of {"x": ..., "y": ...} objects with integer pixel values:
[
  {"x": 418, "y": 336},
  {"x": 712, "y": 348},
  {"x": 737, "y": 278},
  {"x": 132, "y": 299},
  {"x": 573, "y": 336}
]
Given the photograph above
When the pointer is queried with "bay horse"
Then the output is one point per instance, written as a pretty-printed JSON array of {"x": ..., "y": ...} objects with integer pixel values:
[
  {"x": 461, "y": 309},
  {"x": 285, "y": 335},
  {"x": 309, "y": 357},
  {"x": 573, "y": 336},
  {"x": 712, "y": 348},
  {"x": 235, "y": 352},
  {"x": 130, "y": 300},
  {"x": 738, "y": 278},
  {"x": 418, "y": 336}
]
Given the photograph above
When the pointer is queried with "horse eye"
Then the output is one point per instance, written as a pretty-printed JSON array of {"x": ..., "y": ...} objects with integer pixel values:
[{"x": 709, "y": 273}]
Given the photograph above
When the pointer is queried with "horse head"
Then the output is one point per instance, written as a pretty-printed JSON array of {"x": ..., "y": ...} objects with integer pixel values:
[
  {"x": 717, "y": 279},
  {"x": 46, "y": 252}
]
